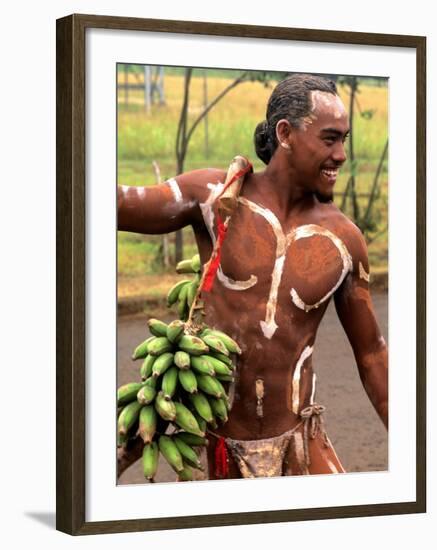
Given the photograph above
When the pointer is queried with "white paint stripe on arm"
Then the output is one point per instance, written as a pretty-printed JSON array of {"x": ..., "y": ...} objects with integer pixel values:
[
  {"x": 363, "y": 273},
  {"x": 175, "y": 189}
]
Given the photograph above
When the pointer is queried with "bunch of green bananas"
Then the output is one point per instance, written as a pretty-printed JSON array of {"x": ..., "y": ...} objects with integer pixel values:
[
  {"x": 184, "y": 292},
  {"x": 184, "y": 373}
]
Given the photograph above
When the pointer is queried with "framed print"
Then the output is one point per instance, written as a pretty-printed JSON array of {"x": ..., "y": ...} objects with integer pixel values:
[{"x": 304, "y": 224}]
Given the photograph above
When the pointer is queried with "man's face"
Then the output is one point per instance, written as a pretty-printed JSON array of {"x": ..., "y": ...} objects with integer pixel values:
[{"x": 317, "y": 147}]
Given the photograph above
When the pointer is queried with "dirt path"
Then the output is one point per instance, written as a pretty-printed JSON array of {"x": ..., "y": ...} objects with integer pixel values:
[{"x": 355, "y": 430}]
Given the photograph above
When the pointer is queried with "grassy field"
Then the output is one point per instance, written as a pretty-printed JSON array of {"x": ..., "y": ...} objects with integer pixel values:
[{"x": 144, "y": 138}]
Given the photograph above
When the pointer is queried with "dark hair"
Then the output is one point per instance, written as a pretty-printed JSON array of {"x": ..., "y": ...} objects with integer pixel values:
[{"x": 290, "y": 100}]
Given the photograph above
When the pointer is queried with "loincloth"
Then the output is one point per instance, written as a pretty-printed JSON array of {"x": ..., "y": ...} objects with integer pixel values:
[{"x": 282, "y": 455}]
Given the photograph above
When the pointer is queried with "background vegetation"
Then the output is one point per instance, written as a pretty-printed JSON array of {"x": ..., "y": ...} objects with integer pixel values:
[{"x": 144, "y": 137}]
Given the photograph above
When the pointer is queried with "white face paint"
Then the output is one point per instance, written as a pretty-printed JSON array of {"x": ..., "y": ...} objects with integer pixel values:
[
  {"x": 296, "y": 378},
  {"x": 175, "y": 189},
  {"x": 326, "y": 99}
]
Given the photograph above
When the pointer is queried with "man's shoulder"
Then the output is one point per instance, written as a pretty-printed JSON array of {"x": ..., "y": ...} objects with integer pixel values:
[
  {"x": 198, "y": 183},
  {"x": 340, "y": 224}
]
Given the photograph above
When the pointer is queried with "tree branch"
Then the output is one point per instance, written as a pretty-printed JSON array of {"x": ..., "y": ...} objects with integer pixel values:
[
  {"x": 375, "y": 184},
  {"x": 213, "y": 103}
]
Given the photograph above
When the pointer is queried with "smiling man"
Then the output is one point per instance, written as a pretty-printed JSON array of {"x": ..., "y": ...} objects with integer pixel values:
[{"x": 287, "y": 252}]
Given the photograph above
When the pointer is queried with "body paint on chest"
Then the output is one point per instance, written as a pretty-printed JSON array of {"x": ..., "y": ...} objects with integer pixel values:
[
  {"x": 305, "y": 231},
  {"x": 208, "y": 217}
]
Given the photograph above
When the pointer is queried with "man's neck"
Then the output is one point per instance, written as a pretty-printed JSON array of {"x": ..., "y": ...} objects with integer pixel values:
[{"x": 279, "y": 182}]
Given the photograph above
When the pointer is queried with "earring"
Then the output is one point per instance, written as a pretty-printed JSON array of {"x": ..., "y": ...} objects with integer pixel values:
[{"x": 285, "y": 145}]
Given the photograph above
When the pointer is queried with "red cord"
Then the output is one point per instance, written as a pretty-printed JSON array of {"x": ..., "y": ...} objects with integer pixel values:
[
  {"x": 221, "y": 459},
  {"x": 221, "y": 228}
]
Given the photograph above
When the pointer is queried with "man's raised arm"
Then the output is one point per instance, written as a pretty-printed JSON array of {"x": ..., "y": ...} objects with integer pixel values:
[
  {"x": 355, "y": 310},
  {"x": 166, "y": 207}
]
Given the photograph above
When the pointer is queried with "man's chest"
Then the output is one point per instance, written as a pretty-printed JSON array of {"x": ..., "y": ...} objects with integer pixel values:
[{"x": 305, "y": 259}]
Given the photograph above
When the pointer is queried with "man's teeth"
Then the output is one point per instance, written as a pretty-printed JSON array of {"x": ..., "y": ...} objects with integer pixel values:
[{"x": 330, "y": 173}]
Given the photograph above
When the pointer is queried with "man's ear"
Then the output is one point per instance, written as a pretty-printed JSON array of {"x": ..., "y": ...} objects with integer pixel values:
[{"x": 283, "y": 133}]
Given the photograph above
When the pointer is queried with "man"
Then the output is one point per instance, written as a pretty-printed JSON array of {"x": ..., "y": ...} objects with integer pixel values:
[{"x": 287, "y": 251}]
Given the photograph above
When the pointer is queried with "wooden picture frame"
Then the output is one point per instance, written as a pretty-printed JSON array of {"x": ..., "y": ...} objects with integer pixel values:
[{"x": 71, "y": 272}]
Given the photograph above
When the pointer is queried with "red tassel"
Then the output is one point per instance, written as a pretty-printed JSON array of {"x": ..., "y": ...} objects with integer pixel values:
[
  {"x": 215, "y": 262},
  {"x": 221, "y": 459},
  {"x": 221, "y": 229}
]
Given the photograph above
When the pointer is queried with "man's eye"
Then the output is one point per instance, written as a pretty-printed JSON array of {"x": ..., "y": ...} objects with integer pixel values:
[
  {"x": 345, "y": 138},
  {"x": 329, "y": 140}
]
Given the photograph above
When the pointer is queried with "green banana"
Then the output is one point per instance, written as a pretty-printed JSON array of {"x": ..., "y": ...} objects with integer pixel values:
[
  {"x": 159, "y": 345},
  {"x": 165, "y": 408},
  {"x": 184, "y": 266},
  {"x": 225, "y": 378},
  {"x": 173, "y": 293},
  {"x": 162, "y": 363},
  {"x": 127, "y": 393},
  {"x": 150, "y": 459},
  {"x": 218, "y": 366},
  {"x": 188, "y": 454},
  {"x": 157, "y": 327},
  {"x": 193, "y": 440},
  {"x": 128, "y": 417},
  {"x": 175, "y": 330},
  {"x": 169, "y": 382},
  {"x": 191, "y": 293},
  {"x": 151, "y": 381},
  {"x": 202, "y": 406},
  {"x": 201, "y": 421},
  {"x": 182, "y": 302},
  {"x": 146, "y": 395},
  {"x": 215, "y": 344},
  {"x": 186, "y": 474},
  {"x": 210, "y": 385},
  {"x": 148, "y": 422},
  {"x": 170, "y": 452},
  {"x": 196, "y": 265},
  {"x": 202, "y": 365},
  {"x": 223, "y": 358},
  {"x": 182, "y": 360},
  {"x": 186, "y": 420},
  {"x": 141, "y": 351},
  {"x": 219, "y": 408},
  {"x": 188, "y": 380},
  {"x": 230, "y": 344},
  {"x": 192, "y": 345},
  {"x": 146, "y": 367}
]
